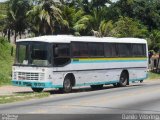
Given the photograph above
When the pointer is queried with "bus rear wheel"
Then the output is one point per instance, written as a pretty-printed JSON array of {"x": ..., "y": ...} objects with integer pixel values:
[
  {"x": 115, "y": 84},
  {"x": 96, "y": 87},
  {"x": 37, "y": 89},
  {"x": 123, "y": 79},
  {"x": 67, "y": 85}
]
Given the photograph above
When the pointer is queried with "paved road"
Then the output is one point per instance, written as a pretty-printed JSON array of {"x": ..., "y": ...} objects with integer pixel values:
[{"x": 137, "y": 98}]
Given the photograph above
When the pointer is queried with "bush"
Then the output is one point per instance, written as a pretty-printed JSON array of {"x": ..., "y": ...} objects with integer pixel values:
[{"x": 6, "y": 61}]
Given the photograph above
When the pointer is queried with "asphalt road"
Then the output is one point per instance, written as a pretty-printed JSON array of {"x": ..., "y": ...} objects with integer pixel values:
[{"x": 137, "y": 98}]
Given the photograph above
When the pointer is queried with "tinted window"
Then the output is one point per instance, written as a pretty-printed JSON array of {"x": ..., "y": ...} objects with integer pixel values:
[
  {"x": 22, "y": 53},
  {"x": 144, "y": 50},
  {"x": 124, "y": 49},
  {"x": 80, "y": 49},
  {"x": 138, "y": 50},
  {"x": 96, "y": 49},
  {"x": 61, "y": 54},
  {"x": 63, "y": 50},
  {"x": 39, "y": 52},
  {"x": 110, "y": 50}
]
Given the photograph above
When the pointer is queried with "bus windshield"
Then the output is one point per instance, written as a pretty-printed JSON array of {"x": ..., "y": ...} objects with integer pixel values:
[{"x": 32, "y": 53}]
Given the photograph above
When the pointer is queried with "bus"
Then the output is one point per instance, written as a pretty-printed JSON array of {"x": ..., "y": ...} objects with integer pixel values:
[{"x": 64, "y": 62}]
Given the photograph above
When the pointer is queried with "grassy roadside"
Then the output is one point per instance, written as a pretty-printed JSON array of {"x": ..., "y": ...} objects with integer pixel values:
[
  {"x": 22, "y": 97},
  {"x": 153, "y": 76},
  {"x": 6, "y": 61}
]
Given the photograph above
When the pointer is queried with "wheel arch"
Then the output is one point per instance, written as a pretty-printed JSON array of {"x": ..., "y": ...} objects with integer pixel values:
[{"x": 72, "y": 78}]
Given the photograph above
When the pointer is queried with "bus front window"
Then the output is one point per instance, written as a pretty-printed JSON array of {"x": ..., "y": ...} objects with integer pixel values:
[
  {"x": 39, "y": 55},
  {"x": 33, "y": 53},
  {"x": 22, "y": 54}
]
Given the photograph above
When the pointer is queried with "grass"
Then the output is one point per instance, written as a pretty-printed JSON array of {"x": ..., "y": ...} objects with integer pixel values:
[
  {"x": 153, "y": 76},
  {"x": 22, "y": 97},
  {"x": 6, "y": 61}
]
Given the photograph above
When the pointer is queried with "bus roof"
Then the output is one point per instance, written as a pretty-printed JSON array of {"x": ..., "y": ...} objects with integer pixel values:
[{"x": 70, "y": 38}]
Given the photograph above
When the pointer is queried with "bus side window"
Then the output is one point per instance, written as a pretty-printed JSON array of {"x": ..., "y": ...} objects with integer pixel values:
[
  {"x": 107, "y": 50},
  {"x": 144, "y": 50},
  {"x": 61, "y": 54},
  {"x": 138, "y": 50},
  {"x": 79, "y": 49},
  {"x": 96, "y": 49},
  {"x": 110, "y": 50},
  {"x": 124, "y": 50}
]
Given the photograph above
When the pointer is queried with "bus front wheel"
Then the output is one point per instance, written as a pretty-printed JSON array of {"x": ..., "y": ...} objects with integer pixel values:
[
  {"x": 37, "y": 89},
  {"x": 123, "y": 79},
  {"x": 67, "y": 85}
]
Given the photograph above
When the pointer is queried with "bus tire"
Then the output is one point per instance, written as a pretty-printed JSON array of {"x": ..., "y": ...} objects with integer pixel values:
[
  {"x": 141, "y": 81},
  {"x": 123, "y": 79},
  {"x": 67, "y": 85},
  {"x": 115, "y": 84},
  {"x": 37, "y": 89},
  {"x": 96, "y": 87}
]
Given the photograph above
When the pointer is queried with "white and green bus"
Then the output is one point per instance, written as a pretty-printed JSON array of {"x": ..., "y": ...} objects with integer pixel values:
[{"x": 65, "y": 62}]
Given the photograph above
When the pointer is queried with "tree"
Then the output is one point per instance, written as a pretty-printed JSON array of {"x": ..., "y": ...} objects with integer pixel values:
[
  {"x": 105, "y": 28},
  {"x": 154, "y": 40},
  {"x": 44, "y": 17},
  {"x": 90, "y": 22},
  {"x": 71, "y": 16},
  {"x": 3, "y": 9},
  {"x": 128, "y": 27},
  {"x": 148, "y": 12},
  {"x": 16, "y": 16}
]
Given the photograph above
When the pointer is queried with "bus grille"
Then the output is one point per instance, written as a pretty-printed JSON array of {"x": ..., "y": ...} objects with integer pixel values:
[{"x": 28, "y": 76}]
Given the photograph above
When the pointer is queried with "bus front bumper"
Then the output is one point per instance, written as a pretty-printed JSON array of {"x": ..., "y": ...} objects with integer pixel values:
[{"x": 34, "y": 84}]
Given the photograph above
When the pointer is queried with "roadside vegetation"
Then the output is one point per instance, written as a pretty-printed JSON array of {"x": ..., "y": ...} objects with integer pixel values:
[
  {"x": 153, "y": 76},
  {"x": 6, "y": 61},
  {"x": 124, "y": 18},
  {"x": 22, "y": 97}
]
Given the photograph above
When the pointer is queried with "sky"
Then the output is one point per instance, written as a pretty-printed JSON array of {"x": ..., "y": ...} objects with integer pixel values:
[
  {"x": 114, "y": 0},
  {"x": 5, "y": 0},
  {"x": 2, "y": 0}
]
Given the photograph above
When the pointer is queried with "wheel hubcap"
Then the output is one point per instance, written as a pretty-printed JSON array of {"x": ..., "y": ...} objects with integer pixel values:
[
  {"x": 123, "y": 80},
  {"x": 67, "y": 84}
]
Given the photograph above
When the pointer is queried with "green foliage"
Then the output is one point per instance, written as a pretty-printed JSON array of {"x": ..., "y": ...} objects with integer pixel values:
[
  {"x": 82, "y": 24},
  {"x": 71, "y": 16},
  {"x": 21, "y": 97},
  {"x": 6, "y": 61},
  {"x": 3, "y": 8},
  {"x": 44, "y": 16},
  {"x": 153, "y": 76},
  {"x": 154, "y": 40},
  {"x": 106, "y": 27},
  {"x": 125, "y": 18},
  {"x": 127, "y": 27},
  {"x": 3, "y": 15}
]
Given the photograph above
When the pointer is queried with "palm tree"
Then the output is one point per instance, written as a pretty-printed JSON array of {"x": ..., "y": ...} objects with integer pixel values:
[
  {"x": 90, "y": 22},
  {"x": 154, "y": 40},
  {"x": 106, "y": 27},
  {"x": 16, "y": 16},
  {"x": 44, "y": 16},
  {"x": 71, "y": 15}
]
